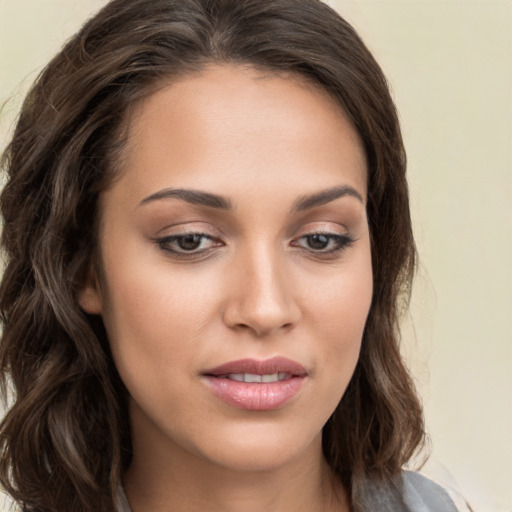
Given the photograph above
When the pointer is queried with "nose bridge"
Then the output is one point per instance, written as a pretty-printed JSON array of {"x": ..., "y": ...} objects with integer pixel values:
[{"x": 261, "y": 296}]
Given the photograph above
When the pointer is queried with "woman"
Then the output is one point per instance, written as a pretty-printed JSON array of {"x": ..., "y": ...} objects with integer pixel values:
[{"x": 208, "y": 242}]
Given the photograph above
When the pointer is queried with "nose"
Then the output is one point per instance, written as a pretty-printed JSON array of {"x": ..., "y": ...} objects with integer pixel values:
[{"x": 260, "y": 295}]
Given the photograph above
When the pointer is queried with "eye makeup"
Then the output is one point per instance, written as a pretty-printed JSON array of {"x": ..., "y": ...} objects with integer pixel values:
[{"x": 194, "y": 245}]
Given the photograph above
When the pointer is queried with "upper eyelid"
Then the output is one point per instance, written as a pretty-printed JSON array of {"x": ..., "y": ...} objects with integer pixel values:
[
  {"x": 185, "y": 233},
  {"x": 328, "y": 225},
  {"x": 192, "y": 227},
  {"x": 327, "y": 232},
  {"x": 200, "y": 226},
  {"x": 213, "y": 237},
  {"x": 323, "y": 231},
  {"x": 215, "y": 232}
]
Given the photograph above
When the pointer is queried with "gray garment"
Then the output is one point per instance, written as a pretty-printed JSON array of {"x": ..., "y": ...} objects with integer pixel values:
[
  {"x": 419, "y": 495},
  {"x": 423, "y": 495}
]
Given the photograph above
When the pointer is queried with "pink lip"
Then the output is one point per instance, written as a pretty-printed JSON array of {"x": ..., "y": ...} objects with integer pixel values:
[
  {"x": 258, "y": 367},
  {"x": 256, "y": 396}
]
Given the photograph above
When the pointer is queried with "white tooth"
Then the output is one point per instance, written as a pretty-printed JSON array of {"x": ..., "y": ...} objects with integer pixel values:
[
  {"x": 236, "y": 376},
  {"x": 283, "y": 376},
  {"x": 251, "y": 377},
  {"x": 270, "y": 378}
]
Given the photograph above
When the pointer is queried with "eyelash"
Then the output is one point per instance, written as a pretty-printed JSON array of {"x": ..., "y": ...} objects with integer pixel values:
[
  {"x": 341, "y": 242},
  {"x": 165, "y": 244}
]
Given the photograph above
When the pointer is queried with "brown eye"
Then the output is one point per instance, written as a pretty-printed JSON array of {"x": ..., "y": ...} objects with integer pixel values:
[
  {"x": 317, "y": 242},
  {"x": 323, "y": 243},
  {"x": 187, "y": 243}
]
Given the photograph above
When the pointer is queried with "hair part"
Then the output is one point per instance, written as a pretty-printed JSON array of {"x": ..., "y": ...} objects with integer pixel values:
[{"x": 65, "y": 441}]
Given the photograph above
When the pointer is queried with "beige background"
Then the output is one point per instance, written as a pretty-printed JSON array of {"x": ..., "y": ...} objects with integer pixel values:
[{"x": 449, "y": 64}]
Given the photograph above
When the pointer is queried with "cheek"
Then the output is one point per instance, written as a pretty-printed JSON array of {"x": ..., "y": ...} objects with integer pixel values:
[
  {"x": 339, "y": 315},
  {"x": 147, "y": 314}
]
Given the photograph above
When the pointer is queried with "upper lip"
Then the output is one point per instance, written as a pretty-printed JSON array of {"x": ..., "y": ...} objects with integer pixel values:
[{"x": 259, "y": 367}]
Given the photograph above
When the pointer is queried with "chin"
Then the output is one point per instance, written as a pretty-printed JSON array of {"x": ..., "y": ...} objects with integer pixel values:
[{"x": 260, "y": 449}]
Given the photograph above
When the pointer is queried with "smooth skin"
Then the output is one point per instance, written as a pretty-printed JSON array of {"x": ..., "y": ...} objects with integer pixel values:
[{"x": 280, "y": 265}]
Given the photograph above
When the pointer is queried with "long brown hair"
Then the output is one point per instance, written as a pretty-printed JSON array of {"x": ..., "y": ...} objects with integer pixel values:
[{"x": 65, "y": 440}]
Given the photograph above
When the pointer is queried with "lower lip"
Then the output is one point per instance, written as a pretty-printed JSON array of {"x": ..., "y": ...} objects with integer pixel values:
[{"x": 265, "y": 396}]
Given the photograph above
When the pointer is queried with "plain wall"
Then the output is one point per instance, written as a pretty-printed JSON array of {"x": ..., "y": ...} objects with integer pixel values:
[{"x": 449, "y": 65}]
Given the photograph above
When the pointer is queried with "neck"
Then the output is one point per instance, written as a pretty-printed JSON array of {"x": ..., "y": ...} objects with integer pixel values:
[{"x": 177, "y": 480}]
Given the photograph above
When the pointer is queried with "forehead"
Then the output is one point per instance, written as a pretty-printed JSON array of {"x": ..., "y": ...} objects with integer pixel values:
[{"x": 228, "y": 121}]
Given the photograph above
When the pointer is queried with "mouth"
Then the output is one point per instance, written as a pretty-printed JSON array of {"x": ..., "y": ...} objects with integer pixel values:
[
  {"x": 256, "y": 385},
  {"x": 254, "y": 377}
]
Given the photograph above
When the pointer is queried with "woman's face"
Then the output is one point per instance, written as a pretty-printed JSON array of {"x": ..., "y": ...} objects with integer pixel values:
[{"x": 235, "y": 247}]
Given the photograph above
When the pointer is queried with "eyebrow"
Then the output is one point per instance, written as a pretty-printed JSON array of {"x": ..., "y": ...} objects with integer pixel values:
[
  {"x": 191, "y": 196},
  {"x": 325, "y": 196},
  {"x": 199, "y": 197}
]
